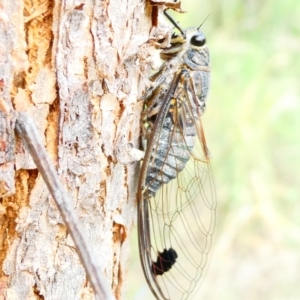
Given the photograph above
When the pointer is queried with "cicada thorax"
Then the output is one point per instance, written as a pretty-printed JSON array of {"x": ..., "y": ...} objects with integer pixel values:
[{"x": 174, "y": 139}]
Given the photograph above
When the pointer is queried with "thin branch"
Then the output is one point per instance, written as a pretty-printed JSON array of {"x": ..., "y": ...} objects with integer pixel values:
[{"x": 30, "y": 136}]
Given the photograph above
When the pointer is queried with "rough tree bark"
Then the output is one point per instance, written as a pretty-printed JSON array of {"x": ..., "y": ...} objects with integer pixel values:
[{"x": 75, "y": 67}]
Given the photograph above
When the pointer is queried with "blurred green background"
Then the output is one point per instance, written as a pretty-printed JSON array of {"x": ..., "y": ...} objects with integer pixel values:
[{"x": 252, "y": 126}]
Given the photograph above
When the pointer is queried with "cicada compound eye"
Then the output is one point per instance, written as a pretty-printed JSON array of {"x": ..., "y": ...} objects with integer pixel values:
[{"x": 198, "y": 39}]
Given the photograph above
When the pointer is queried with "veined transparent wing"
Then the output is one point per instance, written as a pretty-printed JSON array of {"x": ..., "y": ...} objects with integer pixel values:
[{"x": 176, "y": 216}]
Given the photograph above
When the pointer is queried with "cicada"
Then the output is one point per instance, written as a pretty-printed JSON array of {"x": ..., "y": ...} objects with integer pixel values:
[{"x": 176, "y": 194}]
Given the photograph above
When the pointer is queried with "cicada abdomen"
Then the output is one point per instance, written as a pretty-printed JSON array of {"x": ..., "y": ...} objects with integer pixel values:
[{"x": 176, "y": 196}]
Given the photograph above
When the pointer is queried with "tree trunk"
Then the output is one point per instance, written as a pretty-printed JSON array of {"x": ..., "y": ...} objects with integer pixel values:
[{"x": 75, "y": 68}]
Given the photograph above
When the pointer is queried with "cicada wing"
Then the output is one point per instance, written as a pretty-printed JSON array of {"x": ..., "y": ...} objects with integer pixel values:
[
  {"x": 145, "y": 248},
  {"x": 177, "y": 218},
  {"x": 148, "y": 254},
  {"x": 182, "y": 215}
]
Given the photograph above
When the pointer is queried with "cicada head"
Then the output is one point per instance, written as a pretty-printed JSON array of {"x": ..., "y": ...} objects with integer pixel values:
[{"x": 191, "y": 39}]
